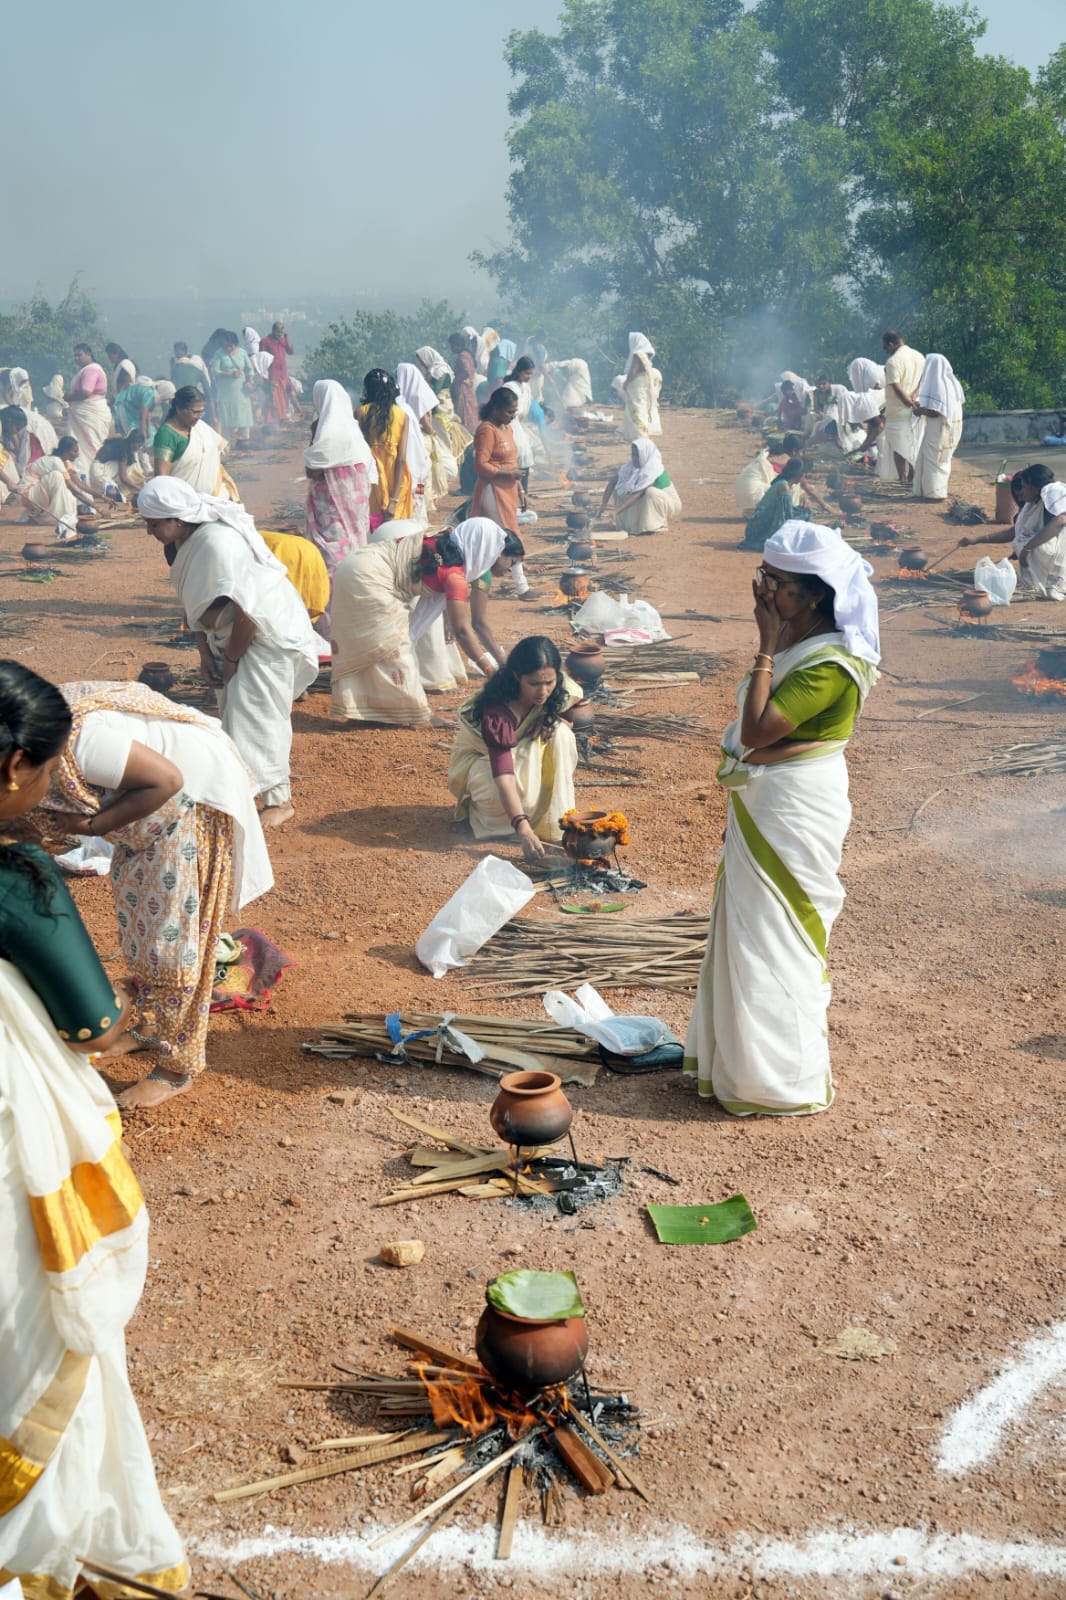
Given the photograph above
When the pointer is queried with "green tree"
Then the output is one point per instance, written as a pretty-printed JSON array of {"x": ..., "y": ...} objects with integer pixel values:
[
  {"x": 40, "y": 336},
  {"x": 349, "y": 349}
]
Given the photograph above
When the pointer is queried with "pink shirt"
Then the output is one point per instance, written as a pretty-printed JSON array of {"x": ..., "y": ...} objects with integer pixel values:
[{"x": 88, "y": 380}]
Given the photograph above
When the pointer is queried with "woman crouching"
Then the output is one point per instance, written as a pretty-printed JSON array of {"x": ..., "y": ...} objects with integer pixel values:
[{"x": 514, "y": 757}]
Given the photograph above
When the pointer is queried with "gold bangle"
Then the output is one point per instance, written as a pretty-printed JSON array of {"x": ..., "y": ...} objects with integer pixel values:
[
  {"x": 762, "y": 669},
  {"x": 763, "y": 655}
]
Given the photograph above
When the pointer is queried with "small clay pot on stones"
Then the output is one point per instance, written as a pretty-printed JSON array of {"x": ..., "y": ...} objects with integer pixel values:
[
  {"x": 577, "y": 521},
  {"x": 975, "y": 603},
  {"x": 850, "y": 503},
  {"x": 525, "y": 1355},
  {"x": 914, "y": 558},
  {"x": 575, "y": 584},
  {"x": 585, "y": 664},
  {"x": 156, "y": 675},
  {"x": 37, "y": 552},
  {"x": 582, "y": 717},
  {"x": 581, "y": 550},
  {"x": 582, "y": 843},
  {"x": 581, "y": 497},
  {"x": 531, "y": 1109}
]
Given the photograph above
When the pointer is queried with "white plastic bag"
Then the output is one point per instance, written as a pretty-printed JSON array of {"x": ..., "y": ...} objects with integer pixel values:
[
  {"x": 997, "y": 579},
  {"x": 494, "y": 893},
  {"x": 590, "y": 1014},
  {"x": 603, "y": 613}
]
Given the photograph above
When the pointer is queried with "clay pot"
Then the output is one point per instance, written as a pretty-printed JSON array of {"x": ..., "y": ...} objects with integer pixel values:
[
  {"x": 581, "y": 844},
  {"x": 577, "y": 521},
  {"x": 583, "y": 717},
  {"x": 575, "y": 584},
  {"x": 850, "y": 503},
  {"x": 975, "y": 603},
  {"x": 914, "y": 558},
  {"x": 156, "y": 675},
  {"x": 526, "y": 1355},
  {"x": 585, "y": 664},
  {"x": 37, "y": 552},
  {"x": 531, "y": 1109},
  {"x": 834, "y": 479},
  {"x": 581, "y": 550},
  {"x": 581, "y": 497}
]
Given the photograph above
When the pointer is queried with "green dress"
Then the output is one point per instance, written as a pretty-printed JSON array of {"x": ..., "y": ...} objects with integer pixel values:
[
  {"x": 43, "y": 936},
  {"x": 232, "y": 398}
]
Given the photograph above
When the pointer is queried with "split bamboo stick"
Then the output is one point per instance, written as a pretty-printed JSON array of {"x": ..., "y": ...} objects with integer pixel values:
[
  {"x": 461, "y": 1489},
  {"x": 365, "y": 1458},
  {"x": 509, "y": 1514}
]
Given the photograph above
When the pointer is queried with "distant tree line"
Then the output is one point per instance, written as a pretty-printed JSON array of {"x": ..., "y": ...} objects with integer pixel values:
[
  {"x": 41, "y": 336},
  {"x": 776, "y": 185}
]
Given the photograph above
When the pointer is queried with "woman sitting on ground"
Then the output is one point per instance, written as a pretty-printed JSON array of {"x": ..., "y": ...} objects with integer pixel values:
[
  {"x": 514, "y": 757},
  {"x": 644, "y": 495},
  {"x": 1038, "y": 537},
  {"x": 169, "y": 788},
  {"x": 117, "y": 472},
  {"x": 25, "y": 437},
  {"x": 78, "y": 1483},
  {"x": 187, "y": 447},
  {"x": 375, "y": 674},
  {"x": 778, "y": 505},
  {"x": 52, "y": 490}
]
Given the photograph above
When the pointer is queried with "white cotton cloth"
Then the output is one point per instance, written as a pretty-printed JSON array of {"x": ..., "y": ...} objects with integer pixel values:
[
  {"x": 262, "y": 361},
  {"x": 415, "y": 392},
  {"x": 640, "y": 345},
  {"x": 251, "y": 340},
  {"x": 415, "y": 453},
  {"x": 434, "y": 362},
  {"x": 818, "y": 552},
  {"x": 54, "y": 388},
  {"x": 212, "y": 771},
  {"x": 865, "y": 374},
  {"x": 633, "y": 479},
  {"x": 162, "y": 498},
  {"x": 939, "y": 389},
  {"x": 855, "y": 406},
  {"x": 338, "y": 439},
  {"x": 801, "y": 386},
  {"x": 164, "y": 391},
  {"x": 481, "y": 540},
  {"x": 17, "y": 380}
]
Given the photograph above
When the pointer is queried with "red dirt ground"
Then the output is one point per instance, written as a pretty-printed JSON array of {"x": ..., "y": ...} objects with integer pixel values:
[{"x": 925, "y": 1205}]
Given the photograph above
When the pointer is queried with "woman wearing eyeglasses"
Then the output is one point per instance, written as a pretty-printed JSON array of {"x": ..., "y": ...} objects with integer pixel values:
[{"x": 757, "y": 1041}]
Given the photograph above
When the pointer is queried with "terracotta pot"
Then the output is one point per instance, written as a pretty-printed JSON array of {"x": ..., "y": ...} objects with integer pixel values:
[
  {"x": 575, "y": 585},
  {"x": 581, "y": 844},
  {"x": 975, "y": 603},
  {"x": 585, "y": 663},
  {"x": 531, "y": 1109},
  {"x": 580, "y": 551},
  {"x": 581, "y": 497},
  {"x": 850, "y": 503},
  {"x": 526, "y": 1355},
  {"x": 914, "y": 558},
  {"x": 583, "y": 717},
  {"x": 157, "y": 675},
  {"x": 577, "y": 521},
  {"x": 37, "y": 552}
]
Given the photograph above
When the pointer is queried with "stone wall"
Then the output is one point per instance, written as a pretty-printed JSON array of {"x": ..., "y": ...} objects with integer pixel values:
[{"x": 1010, "y": 427}]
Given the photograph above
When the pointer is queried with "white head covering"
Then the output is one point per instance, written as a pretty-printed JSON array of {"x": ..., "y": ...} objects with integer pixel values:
[
  {"x": 481, "y": 541},
  {"x": 127, "y": 366},
  {"x": 338, "y": 439},
  {"x": 865, "y": 374},
  {"x": 801, "y": 386},
  {"x": 816, "y": 552},
  {"x": 415, "y": 453},
  {"x": 262, "y": 361},
  {"x": 633, "y": 479},
  {"x": 19, "y": 383},
  {"x": 164, "y": 390},
  {"x": 54, "y": 389},
  {"x": 939, "y": 389},
  {"x": 415, "y": 392},
  {"x": 162, "y": 498},
  {"x": 508, "y": 350},
  {"x": 640, "y": 345},
  {"x": 251, "y": 340},
  {"x": 434, "y": 362}
]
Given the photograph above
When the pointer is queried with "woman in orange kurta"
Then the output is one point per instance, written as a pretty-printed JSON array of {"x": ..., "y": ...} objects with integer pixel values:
[
  {"x": 496, "y": 462},
  {"x": 384, "y": 425}
]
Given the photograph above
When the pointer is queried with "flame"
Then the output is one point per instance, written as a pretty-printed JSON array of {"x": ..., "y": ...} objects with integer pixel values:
[
  {"x": 908, "y": 574},
  {"x": 475, "y": 1406},
  {"x": 1033, "y": 681}
]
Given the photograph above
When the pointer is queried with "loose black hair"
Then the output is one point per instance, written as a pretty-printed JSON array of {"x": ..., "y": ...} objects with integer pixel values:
[
  {"x": 528, "y": 656},
  {"x": 34, "y": 718},
  {"x": 87, "y": 350},
  {"x": 67, "y": 443},
  {"x": 495, "y": 403},
  {"x": 184, "y": 397},
  {"x": 214, "y": 345},
  {"x": 124, "y": 450},
  {"x": 380, "y": 394},
  {"x": 523, "y": 364},
  {"x": 791, "y": 443},
  {"x": 1037, "y": 476},
  {"x": 12, "y": 417},
  {"x": 793, "y": 469},
  {"x": 115, "y": 350}
]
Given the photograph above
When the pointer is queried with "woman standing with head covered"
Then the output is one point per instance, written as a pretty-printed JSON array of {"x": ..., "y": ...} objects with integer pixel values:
[
  {"x": 940, "y": 401},
  {"x": 257, "y": 646},
  {"x": 340, "y": 471},
  {"x": 757, "y": 1041},
  {"x": 641, "y": 384},
  {"x": 78, "y": 1482}
]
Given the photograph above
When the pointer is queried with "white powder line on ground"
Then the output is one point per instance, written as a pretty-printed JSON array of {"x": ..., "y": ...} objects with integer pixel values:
[
  {"x": 673, "y": 1550},
  {"x": 976, "y": 1428}
]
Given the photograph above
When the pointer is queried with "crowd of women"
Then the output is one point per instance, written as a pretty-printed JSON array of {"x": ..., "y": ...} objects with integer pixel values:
[{"x": 175, "y": 793}]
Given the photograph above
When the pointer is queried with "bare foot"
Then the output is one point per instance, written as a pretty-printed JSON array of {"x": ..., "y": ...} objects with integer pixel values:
[
  {"x": 153, "y": 1091},
  {"x": 274, "y": 816},
  {"x": 128, "y": 1045},
  {"x": 440, "y": 722},
  {"x": 532, "y": 594}
]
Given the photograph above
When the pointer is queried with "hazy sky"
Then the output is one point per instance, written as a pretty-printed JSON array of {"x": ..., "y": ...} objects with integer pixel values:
[{"x": 268, "y": 151}]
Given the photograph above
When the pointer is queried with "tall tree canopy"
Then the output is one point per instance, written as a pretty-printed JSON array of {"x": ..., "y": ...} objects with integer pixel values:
[{"x": 772, "y": 186}]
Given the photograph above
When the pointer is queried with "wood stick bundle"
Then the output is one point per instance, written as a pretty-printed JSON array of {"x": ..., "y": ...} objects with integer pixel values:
[
  {"x": 510, "y": 1043},
  {"x": 527, "y": 957}
]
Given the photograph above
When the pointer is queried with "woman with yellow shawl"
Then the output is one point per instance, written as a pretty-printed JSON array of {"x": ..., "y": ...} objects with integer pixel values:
[
  {"x": 385, "y": 427},
  {"x": 513, "y": 761},
  {"x": 76, "y": 1477}
]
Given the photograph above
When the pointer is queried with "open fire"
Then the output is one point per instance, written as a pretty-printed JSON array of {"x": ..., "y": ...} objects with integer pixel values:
[
  {"x": 909, "y": 575},
  {"x": 1037, "y": 684}
]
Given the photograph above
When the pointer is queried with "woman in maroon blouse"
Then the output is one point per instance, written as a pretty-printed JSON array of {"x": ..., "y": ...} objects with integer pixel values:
[{"x": 513, "y": 761}]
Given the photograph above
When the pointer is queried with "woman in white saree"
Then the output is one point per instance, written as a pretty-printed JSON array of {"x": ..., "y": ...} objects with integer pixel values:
[
  {"x": 641, "y": 385},
  {"x": 187, "y": 447},
  {"x": 758, "y": 1037},
  {"x": 940, "y": 401},
  {"x": 257, "y": 647},
  {"x": 76, "y": 1475},
  {"x": 89, "y": 415}
]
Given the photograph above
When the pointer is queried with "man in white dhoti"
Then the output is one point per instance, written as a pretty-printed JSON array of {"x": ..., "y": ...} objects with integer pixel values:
[
  {"x": 902, "y": 438},
  {"x": 257, "y": 646}
]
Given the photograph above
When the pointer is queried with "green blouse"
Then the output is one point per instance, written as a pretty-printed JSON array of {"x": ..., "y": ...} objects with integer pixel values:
[
  {"x": 42, "y": 934},
  {"x": 822, "y": 702},
  {"x": 662, "y": 481},
  {"x": 169, "y": 444}
]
